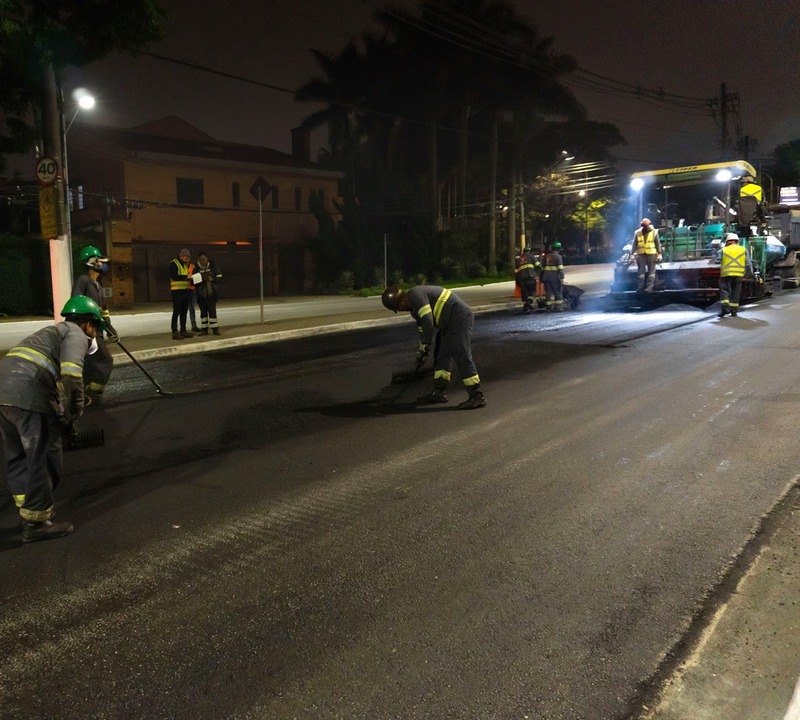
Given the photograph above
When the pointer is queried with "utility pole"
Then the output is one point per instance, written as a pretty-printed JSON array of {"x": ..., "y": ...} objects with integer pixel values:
[{"x": 60, "y": 256}]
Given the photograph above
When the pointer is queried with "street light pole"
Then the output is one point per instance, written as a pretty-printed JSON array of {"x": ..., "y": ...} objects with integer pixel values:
[{"x": 85, "y": 102}]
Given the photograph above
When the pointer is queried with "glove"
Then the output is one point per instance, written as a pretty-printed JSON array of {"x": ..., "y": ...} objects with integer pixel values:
[
  {"x": 111, "y": 335},
  {"x": 658, "y": 257}
]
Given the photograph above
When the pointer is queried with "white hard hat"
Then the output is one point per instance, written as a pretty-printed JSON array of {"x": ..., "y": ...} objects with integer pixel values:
[{"x": 731, "y": 237}]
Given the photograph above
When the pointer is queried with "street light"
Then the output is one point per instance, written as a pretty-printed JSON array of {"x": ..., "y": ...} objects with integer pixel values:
[{"x": 84, "y": 101}]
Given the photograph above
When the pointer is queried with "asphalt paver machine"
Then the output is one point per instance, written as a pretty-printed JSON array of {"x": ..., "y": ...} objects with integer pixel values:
[{"x": 693, "y": 208}]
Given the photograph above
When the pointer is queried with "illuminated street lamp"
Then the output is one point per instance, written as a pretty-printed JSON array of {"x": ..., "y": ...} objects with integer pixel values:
[
  {"x": 84, "y": 101},
  {"x": 636, "y": 185}
]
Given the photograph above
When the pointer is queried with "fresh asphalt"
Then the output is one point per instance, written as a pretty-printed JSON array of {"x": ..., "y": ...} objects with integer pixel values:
[{"x": 742, "y": 664}]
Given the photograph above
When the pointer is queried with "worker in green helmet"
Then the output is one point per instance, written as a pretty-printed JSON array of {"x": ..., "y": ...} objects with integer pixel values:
[
  {"x": 98, "y": 366},
  {"x": 553, "y": 279},
  {"x": 41, "y": 395}
]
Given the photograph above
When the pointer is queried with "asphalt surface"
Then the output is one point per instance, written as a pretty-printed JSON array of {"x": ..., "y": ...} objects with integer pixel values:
[{"x": 743, "y": 657}]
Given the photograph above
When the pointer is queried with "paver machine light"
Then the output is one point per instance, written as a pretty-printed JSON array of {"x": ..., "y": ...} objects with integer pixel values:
[{"x": 693, "y": 208}]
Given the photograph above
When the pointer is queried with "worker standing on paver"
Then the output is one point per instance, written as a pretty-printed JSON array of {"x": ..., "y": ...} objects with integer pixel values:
[
  {"x": 35, "y": 411},
  {"x": 646, "y": 248},
  {"x": 434, "y": 307},
  {"x": 553, "y": 279}
]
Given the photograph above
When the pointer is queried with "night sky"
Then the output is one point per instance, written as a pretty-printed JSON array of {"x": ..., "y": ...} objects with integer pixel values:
[{"x": 685, "y": 47}]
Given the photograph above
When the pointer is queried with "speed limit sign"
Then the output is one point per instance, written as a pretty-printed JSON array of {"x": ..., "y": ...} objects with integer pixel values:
[{"x": 46, "y": 170}]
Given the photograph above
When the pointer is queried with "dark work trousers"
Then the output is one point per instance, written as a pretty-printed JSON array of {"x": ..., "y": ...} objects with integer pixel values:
[
  {"x": 34, "y": 462},
  {"x": 180, "y": 306},
  {"x": 646, "y": 266},
  {"x": 97, "y": 367},
  {"x": 527, "y": 289},
  {"x": 730, "y": 290},
  {"x": 554, "y": 291},
  {"x": 456, "y": 349},
  {"x": 208, "y": 311}
]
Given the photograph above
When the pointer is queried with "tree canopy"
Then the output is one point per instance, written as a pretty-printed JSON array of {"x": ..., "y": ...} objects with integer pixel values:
[{"x": 38, "y": 33}]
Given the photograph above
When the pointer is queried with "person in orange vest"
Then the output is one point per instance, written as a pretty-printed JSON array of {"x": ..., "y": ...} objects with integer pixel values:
[
  {"x": 179, "y": 288},
  {"x": 646, "y": 248},
  {"x": 733, "y": 264}
]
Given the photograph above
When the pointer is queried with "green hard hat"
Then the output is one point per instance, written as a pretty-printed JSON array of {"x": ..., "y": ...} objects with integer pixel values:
[
  {"x": 556, "y": 245},
  {"x": 81, "y": 307},
  {"x": 90, "y": 251}
]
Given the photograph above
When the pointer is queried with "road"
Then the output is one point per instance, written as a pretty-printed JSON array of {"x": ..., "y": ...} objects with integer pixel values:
[{"x": 288, "y": 536}]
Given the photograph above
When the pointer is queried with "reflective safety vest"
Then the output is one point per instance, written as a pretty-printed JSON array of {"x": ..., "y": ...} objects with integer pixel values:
[
  {"x": 528, "y": 267},
  {"x": 645, "y": 244},
  {"x": 752, "y": 190},
  {"x": 179, "y": 275},
  {"x": 734, "y": 258}
]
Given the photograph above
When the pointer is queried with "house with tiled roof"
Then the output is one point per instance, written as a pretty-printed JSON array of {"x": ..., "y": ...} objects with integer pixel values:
[{"x": 166, "y": 185}]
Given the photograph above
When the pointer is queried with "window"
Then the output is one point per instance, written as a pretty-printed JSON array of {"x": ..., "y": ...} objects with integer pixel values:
[
  {"x": 75, "y": 195},
  {"x": 235, "y": 195},
  {"x": 189, "y": 191},
  {"x": 274, "y": 197},
  {"x": 298, "y": 198}
]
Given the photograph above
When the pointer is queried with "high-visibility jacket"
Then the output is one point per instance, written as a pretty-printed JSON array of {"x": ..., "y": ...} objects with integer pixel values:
[
  {"x": 553, "y": 269},
  {"x": 646, "y": 244},
  {"x": 752, "y": 190},
  {"x": 733, "y": 262},
  {"x": 30, "y": 372},
  {"x": 178, "y": 275},
  {"x": 528, "y": 266},
  {"x": 432, "y": 307}
]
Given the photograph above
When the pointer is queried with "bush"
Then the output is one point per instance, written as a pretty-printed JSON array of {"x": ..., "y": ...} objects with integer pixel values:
[{"x": 346, "y": 281}]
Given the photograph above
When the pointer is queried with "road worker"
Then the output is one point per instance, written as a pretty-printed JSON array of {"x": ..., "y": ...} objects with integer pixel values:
[
  {"x": 99, "y": 365},
  {"x": 646, "y": 248},
  {"x": 435, "y": 308},
  {"x": 733, "y": 264},
  {"x": 750, "y": 207},
  {"x": 527, "y": 272},
  {"x": 41, "y": 394},
  {"x": 553, "y": 279}
]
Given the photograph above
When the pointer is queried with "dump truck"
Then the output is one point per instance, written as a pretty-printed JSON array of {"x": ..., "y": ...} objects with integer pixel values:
[{"x": 692, "y": 209}]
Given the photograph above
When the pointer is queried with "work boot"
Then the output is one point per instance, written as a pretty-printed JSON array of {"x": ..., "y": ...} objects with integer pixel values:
[
  {"x": 204, "y": 331},
  {"x": 476, "y": 400},
  {"x": 195, "y": 329},
  {"x": 47, "y": 530},
  {"x": 177, "y": 336},
  {"x": 215, "y": 331},
  {"x": 734, "y": 313},
  {"x": 185, "y": 334},
  {"x": 722, "y": 313},
  {"x": 434, "y": 396}
]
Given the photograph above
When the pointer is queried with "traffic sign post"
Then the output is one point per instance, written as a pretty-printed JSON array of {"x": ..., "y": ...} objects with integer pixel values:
[
  {"x": 259, "y": 190},
  {"x": 46, "y": 171}
]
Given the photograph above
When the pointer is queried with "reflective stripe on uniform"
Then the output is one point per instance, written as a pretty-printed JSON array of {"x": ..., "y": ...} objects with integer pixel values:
[
  {"x": 437, "y": 310},
  {"x": 18, "y": 500},
  {"x": 35, "y": 515},
  {"x": 472, "y": 381},
  {"x": 442, "y": 375},
  {"x": 71, "y": 369},
  {"x": 34, "y": 356}
]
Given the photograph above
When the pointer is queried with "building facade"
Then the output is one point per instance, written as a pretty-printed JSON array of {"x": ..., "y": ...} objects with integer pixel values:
[{"x": 166, "y": 185}]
